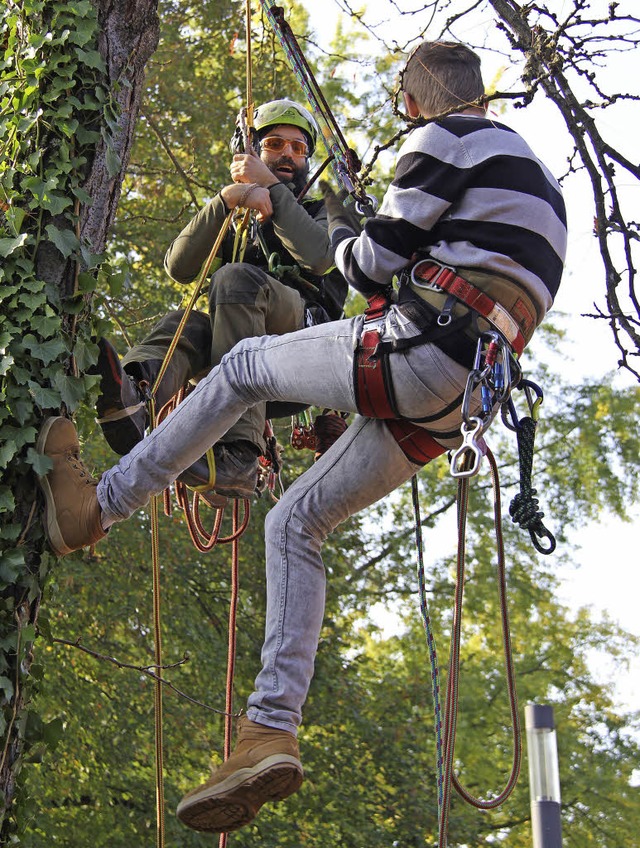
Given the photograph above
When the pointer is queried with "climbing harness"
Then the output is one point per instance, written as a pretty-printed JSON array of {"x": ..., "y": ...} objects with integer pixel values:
[{"x": 515, "y": 325}]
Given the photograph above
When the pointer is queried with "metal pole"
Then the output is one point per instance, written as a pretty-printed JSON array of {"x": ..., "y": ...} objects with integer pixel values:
[{"x": 544, "y": 779}]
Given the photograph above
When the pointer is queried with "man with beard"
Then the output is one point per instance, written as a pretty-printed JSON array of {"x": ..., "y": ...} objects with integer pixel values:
[{"x": 287, "y": 280}]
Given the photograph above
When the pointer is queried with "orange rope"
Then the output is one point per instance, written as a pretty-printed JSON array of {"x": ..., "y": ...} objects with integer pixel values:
[{"x": 231, "y": 652}]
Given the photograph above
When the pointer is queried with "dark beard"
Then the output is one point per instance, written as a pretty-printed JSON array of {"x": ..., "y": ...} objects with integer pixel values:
[{"x": 299, "y": 177}]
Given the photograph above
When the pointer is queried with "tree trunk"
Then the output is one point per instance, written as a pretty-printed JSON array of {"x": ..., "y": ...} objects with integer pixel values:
[{"x": 52, "y": 232}]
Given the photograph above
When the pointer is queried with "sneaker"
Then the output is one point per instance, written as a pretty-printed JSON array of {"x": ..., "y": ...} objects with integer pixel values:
[
  {"x": 236, "y": 469},
  {"x": 72, "y": 512},
  {"x": 121, "y": 407},
  {"x": 265, "y": 766}
]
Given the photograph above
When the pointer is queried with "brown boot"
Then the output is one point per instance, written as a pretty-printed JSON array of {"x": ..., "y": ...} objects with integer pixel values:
[
  {"x": 72, "y": 512},
  {"x": 265, "y": 766}
]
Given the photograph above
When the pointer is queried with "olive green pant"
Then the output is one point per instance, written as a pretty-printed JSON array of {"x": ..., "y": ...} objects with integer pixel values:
[{"x": 244, "y": 302}]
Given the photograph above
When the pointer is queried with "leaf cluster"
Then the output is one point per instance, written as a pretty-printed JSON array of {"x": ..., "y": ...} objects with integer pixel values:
[{"x": 54, "y": 108}]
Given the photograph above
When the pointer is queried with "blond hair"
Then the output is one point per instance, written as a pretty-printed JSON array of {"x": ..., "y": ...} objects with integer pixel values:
[{"x": 441, "y": 76}]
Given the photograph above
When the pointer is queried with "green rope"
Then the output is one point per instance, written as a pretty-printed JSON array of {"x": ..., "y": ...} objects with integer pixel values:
[{"x": 524, "y": 507}]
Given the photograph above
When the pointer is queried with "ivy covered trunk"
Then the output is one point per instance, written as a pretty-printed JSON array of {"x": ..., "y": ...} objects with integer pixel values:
[{"x": 71, "y": 76}]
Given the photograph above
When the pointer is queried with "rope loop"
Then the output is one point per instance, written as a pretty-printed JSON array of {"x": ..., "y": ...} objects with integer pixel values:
[{"x": 524, "y": 506}]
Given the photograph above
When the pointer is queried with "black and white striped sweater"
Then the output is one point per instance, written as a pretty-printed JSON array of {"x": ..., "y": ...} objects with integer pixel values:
[{"x": 470, "y": 193}]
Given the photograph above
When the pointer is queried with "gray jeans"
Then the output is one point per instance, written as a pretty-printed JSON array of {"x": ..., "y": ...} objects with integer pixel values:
[{"x": 314, "y": 366}]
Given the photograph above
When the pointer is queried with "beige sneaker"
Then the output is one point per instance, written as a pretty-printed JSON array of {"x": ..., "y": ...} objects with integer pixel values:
[
  {"x": 72, "y": 512},
  {"x": 265, "y": 766}
]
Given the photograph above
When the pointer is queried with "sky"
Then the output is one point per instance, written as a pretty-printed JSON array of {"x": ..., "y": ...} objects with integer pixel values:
[{"x": 606, "y": 569}]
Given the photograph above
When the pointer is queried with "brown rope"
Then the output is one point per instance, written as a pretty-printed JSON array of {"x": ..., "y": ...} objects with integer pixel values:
[{"x": 451, "y": 704}]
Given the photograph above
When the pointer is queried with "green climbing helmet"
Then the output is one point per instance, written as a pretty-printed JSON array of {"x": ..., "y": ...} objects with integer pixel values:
[{"x": 287, "y": 112}]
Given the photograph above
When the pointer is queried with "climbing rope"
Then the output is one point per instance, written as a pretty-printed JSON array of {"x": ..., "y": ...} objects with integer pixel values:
[
  {"x": 524, "y": 506},
  {"x": 493, "y": 377},
  {"x": 445, "y": 749},
  {"x": 431, "y": 644},
  {"x": 158, "y": 707},
  {"x": 344, "y": 161},
  {"x": 201, "y": 538}
]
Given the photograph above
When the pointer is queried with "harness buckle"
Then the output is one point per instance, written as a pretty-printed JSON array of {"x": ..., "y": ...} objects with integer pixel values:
[
  {"x": 430, "y": 283},
  {"x": 446, "y": 315}
]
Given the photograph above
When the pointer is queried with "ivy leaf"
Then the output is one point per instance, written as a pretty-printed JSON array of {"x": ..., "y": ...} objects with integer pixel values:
[
  {"x": 72, "y": 389},
  {"x": 7, "y": 501},
  {"x": 91, "y": 58},
  {"x": 86, "y": 282},
  {"x": 46, "y": 325},
  {"x": 55, "y": 203},
  {"x": 33, "y": 301},
  {"x": 85, "y": 353},
  {"x": 21, "y": 409},
  {"x": 45, "y": 398},
  {"x": 8, "y": 450},
  {"x": 11, "y": 564},
  {"x": 65, "y": 240},
  {"x": 41, "y": 464},
  {"x": 113, "y": 161},
  {"x": 82, "y": 195},
  {"x": 8, "y": 245},
  {"x": 5, "y": 364},
  {"x": 7, "y": 687},
  {"x": 15, "y": 216},
  {"x": 85, "y": 136},
  {"x": 84, "y": 31},
  {"x": 53, "y": 732},
  {"x": 47, "y": 351}
]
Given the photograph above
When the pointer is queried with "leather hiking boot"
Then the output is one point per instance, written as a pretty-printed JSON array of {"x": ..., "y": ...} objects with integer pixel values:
[
  {"x": 72, "y": 511},
  {"x": 236, "y": 469},
  {"x": 121, "y": 407},
  {"x": 265, "y": 766}
]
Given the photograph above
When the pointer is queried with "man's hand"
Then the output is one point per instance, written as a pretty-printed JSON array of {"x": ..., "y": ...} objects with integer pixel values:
[
  {"x": 338, "y": 214},
  {"x": 249, "y": 196},
  {"x": 249, "y": 168}
]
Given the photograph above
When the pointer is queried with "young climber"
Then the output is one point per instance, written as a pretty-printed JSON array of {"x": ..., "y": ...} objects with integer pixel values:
[
  {"x": 287, "y": 280},
  {"x": 468, "y": 193}
]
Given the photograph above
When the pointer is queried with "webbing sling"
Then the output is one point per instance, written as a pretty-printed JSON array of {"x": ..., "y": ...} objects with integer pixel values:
[{"x": 513, "y": 327}]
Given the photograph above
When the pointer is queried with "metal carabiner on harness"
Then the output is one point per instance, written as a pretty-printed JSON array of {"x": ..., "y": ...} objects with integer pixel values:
[{"x": 492, "y": 374}]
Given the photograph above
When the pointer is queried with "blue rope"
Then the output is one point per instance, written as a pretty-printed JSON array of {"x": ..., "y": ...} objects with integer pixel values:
[{"x": 433, "y": 658}]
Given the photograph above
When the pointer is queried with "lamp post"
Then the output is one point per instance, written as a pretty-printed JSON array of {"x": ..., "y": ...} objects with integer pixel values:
[{"x": 544, "y": 779}]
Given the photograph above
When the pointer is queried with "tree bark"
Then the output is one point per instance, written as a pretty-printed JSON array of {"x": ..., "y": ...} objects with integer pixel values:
[{"x": 129, "y": 33}]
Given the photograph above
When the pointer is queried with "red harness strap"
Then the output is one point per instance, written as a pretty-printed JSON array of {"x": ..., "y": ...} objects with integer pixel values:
[
  {"x": 375, "y": 399},
  {"x": 416, "y": 444},
  {"x": 511, "y": 326},
  {"x": 374, "y": 392}
]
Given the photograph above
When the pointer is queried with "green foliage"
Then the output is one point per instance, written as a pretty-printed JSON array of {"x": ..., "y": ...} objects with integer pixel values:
[
  {"x": 54, "y": 107},
  {"x": 367, "y": 743}
]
